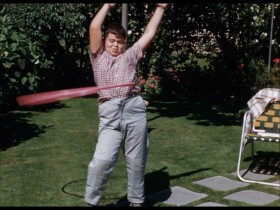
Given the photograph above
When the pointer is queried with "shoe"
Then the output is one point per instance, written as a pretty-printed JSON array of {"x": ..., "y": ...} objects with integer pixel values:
[{"x": 137, "y": 205}]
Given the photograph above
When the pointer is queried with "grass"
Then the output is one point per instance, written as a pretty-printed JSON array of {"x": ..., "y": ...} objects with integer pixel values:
[{"x": 46, "y": 150}]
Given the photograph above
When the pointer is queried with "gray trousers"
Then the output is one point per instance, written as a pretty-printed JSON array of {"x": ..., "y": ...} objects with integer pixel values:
[{"x": 123, "y": 124}]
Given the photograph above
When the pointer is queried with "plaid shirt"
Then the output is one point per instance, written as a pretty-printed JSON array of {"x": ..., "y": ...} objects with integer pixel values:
[
  {"x": 109, "y": 70},
  {"x": 259, "y": 102}
]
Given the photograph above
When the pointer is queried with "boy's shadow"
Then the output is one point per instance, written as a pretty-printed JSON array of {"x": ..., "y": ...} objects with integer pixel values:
[{"x": 158, "y": 181}]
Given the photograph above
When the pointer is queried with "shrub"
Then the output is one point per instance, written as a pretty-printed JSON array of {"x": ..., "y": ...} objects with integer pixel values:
[
  {"x": 151, "y": 85},
  {"x": 20, "y": 58}
]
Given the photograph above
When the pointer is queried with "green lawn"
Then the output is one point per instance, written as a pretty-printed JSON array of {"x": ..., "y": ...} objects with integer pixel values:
[{"x": 46, "y": 150}]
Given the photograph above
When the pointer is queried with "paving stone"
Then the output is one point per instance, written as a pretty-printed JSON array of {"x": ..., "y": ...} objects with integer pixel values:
[
  {"x": 211, "y": 204},
  {"x": 177, "y": 196},
  {"x": 253, "y": 197},
  {"x": 221, "y": 183},
  {"x": 247, "y": 174}
]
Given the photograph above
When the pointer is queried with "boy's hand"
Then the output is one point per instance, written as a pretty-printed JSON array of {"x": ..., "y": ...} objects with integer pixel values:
[
  {"x": 163, "y": 5},
  {"x": 111, "y": 5}
]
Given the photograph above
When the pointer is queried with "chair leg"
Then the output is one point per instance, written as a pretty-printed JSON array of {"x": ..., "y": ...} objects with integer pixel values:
[
  {"x": 239, "y": 160},
  {"x": 241, "y": 149}
]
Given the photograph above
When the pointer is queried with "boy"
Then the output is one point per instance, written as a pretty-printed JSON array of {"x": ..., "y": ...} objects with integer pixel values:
[{"x": 122, "y": 112}]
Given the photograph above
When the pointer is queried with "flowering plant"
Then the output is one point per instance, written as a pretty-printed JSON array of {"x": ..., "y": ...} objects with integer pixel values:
[
  {"x": 276, "y": 61},
  {"x": 275, "y": 72},
  {"x": 150, "y": 85}
]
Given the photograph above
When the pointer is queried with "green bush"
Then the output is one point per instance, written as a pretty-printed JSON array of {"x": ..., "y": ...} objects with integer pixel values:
[
  {"x": 21, "y": 59},
  {"x": 263, "y": 79},
  {"x": 150, "y": 86}
]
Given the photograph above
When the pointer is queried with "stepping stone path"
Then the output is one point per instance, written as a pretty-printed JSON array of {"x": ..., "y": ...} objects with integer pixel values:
[
  {"x": 211, "y": 204},
  {"x": 220, "y": 183},
  {"x": 179, "y": 196},
  {"x": 253, "y": 197}
]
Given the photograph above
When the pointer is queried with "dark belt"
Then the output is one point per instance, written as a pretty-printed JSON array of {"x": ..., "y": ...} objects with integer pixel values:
[{"x": 102, "y": 100}]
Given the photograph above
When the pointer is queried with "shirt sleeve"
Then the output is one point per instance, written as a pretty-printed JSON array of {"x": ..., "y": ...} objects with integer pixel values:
[
  {"x": 94, "y": 56},
  {"x": 134, "y": 53}
]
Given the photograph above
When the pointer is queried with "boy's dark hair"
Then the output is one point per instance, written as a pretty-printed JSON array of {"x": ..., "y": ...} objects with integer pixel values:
[{"x": 117, "y": 29}]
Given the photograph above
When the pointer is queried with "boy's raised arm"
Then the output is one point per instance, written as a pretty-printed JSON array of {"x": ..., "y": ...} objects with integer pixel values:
[
  {"x": 95, "y": 32},
  {"x": 152, "y": 26}
]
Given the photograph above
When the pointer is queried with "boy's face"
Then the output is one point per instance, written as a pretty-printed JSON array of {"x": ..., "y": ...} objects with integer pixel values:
[{"x": 114, "y": 45}]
